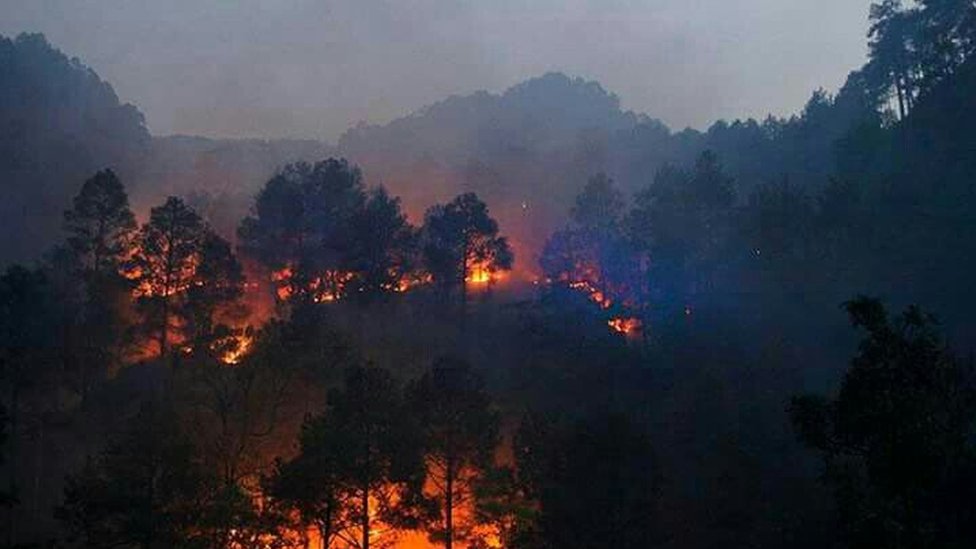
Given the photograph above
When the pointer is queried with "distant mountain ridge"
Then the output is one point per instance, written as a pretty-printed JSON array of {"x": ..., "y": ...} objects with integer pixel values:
[
  {"x": 527, "y": 151},
  {"x": 59, "y": 123},
  {"x": 542, "y": 112}
]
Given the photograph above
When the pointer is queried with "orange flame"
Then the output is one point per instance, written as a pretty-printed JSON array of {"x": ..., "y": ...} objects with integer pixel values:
[
  {"x": 329, "y": 286},
  {"x": 240, "y": 348},
  {"x": 587, "y": 281},
  {"x": 595, "y": 294},
  {"x": 480, "y": 273},
  {"x": 628, "y": 327}
]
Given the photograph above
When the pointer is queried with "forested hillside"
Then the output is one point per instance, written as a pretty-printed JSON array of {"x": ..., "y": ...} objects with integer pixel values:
[
  {"x": 59, "y": 122},
  {"x": 528, "y": 320}
]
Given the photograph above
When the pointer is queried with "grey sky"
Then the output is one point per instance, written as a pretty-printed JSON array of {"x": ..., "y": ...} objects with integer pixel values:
[{"x": 311, "y": 68}]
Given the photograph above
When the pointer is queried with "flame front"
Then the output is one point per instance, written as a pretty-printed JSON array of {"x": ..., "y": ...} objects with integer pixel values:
[
  {"x": 480, "y": 273},
  {"x": 629, "y": 326},
  {"x": 239, "y": 348}
]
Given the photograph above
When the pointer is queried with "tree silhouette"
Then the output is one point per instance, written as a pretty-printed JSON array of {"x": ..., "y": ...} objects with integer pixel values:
[
  {"x": 101, "y": 230},
  {"x": 600, "y": 463},
  {"x": 893, "y": 57},
  {"x": 146, "y": 489},
  {"x": 100, "y": 225},
  {"x": 365, "y": 440},
  {"x": 218, "y": 280},
  {"x": 311, "y": 484},
  {"x": 593, "y": 253},
  {"x": 599, "y": 207},
  {"x": 6, "y": 499},
  {"x": 683, "y": 220},
  {"x": 460, "y": 239},
  {"x": 164, "y": 265},
  {"x": 381, "y": 245},
  {"x": 30, "y": 324},
  {"x": 459, "y": 433},
  {"x": 897, "y": 441},
  {"x": 183, "y": 272},
  {"x": 300, "y": 224}
]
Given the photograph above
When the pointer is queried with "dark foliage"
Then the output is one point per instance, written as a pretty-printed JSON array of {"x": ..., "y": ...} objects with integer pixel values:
[
  {"x": 897, "y": 441},
  {"x": 59, "y": 123}
]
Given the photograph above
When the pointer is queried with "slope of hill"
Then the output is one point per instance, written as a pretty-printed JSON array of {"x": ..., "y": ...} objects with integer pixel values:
[
  {"x": 59, "y": 123},
  {"x": 526, "y": 151},
  {"x": 529, "y": 150}
]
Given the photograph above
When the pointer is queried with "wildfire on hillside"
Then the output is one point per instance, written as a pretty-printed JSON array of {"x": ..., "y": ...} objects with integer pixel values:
[
  {"x": 235, "y": 347},
  {"x": 607, "y": 297},
  {"x": 333, "y": 285},
  {"x": 382, "y": 534},
  {"x": 327, "y": 287},
  {"x": 481, "y": 273},
  {"x": 628, "y": 327},
  {"x": 406, "y": 282},
  {"x": 595, "y": 294}
]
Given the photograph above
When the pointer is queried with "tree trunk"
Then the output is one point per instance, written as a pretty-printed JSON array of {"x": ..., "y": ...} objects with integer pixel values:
[
  {"x": 325, "y": 532},
  {"x": 365, "y": 519},
  {"x": 38, "y": 470},
  {"x": 12, "y": 468},
  {"x": 464, "y": 284},
  {"x": 449, "y": 506},
  {"x": 164, "y": 327},
  {"x": 150, "y": 533}
]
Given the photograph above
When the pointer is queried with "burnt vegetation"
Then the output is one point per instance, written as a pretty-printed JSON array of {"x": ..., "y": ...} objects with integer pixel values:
[{"x": 586, "y": 331}]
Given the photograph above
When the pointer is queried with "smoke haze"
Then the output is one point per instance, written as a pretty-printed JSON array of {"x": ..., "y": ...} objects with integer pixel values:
[{"x": 313, "y": 68}]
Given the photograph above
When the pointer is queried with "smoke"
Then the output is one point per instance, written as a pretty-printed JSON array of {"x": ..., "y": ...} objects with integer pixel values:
[{"x": 312, "y": 68}]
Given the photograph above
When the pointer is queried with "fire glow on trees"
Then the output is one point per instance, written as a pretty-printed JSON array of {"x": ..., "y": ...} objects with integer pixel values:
[
  {"x": 333, "y": 286},
  {"x": 595, "y": 294},
  {"x": 324, "y": 288},
  {"x": 185, "y": 281},
  {"x": 628, "y": 327},
  {"x": 486, "y": 536},
  {"x": 592, "y": 256},
  {"x": 234, "y": 347},
  {"x": 481, "y": 273},
  {"x": 586, "y": 281},
  {"x": 461, "y": 245}
]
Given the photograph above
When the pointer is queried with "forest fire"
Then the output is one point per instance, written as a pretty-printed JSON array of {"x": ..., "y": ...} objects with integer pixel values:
[
  {"x": 482, "y": 273},
  {"x": 237, "y": 348},
  {"x": 479, "y": 275},
  {"x": 328, "y": 287},
  {"x": 628, "y": 327},
  {"x": 383, "y": 534},
  {"x": 595, "y": 294},
  {"x": 408, "y": 281},
  {"x": 537, "y": 317}
]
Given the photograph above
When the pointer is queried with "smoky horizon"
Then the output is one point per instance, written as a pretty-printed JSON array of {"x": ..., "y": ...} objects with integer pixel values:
[{"x": 314, "y": 68}]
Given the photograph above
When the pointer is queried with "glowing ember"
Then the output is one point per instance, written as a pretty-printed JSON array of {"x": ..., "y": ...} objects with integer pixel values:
[
  {"x": 626, "y": 326},
  {"x": 407, "y": 282},
  {"x": 329, "y": 286},
  {"x": 479, "y": 273},
  {"x": 595, "y": 294},
  {"x": 238, "y": 349},
  {"x": 611, "y": 298}
]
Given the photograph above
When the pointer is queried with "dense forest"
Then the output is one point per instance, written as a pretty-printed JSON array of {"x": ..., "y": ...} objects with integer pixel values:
[{"x": 524, "y": 320}]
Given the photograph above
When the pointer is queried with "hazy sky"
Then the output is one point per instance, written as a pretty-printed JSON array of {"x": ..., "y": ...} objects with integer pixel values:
[{"x": 311, "y": 68}]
